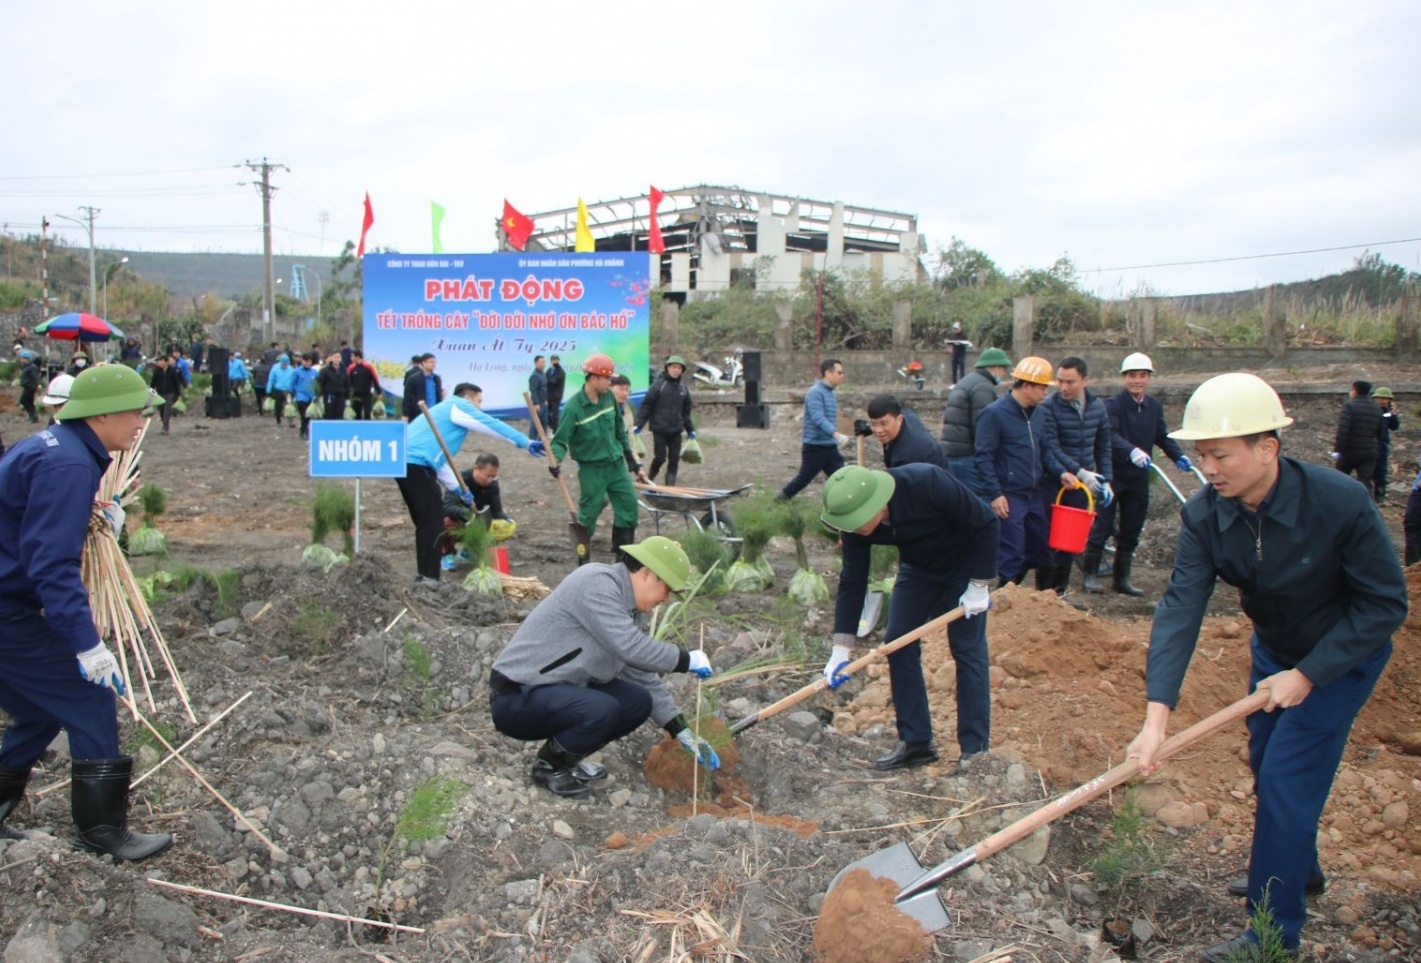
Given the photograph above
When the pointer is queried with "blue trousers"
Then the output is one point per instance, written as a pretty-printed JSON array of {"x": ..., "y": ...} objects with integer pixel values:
[
  {"x": 43, "y": 692},
  {"x": 1294, "y": 754},
  {"x": 812, "y": 460},
  {"x": 1023, "y": 537},
  {"x": 920, "y": 597},
  {"x": 582, "y": 719}
]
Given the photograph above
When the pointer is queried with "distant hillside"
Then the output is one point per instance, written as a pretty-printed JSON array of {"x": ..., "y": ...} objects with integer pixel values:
[
  {"x": 229, "y": 276},
  {"x": 1373, "y": 282}
]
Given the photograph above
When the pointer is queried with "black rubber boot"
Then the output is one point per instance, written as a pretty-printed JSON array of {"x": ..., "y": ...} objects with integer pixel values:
[
  {"x": 12, "y": 790},
  {"x": 620, "y": 537},
  {"x": 1063, "y": 578},
  {"x": 1124, "y": 561},
  {"x": 1046, "y": 578},
  {"x": 1091, "y": 582},
  {"x": 99, "y": 799},
  {"x": 555, "y": 770}
]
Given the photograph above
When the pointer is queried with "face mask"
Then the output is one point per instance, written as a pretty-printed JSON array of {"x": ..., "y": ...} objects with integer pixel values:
[{"x": 79, "y": 362}]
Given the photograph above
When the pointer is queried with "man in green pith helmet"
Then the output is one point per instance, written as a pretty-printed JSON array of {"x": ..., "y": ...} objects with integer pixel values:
[
  {"x": 667, "y": 406},
  {"x": 581, "y": 671}
]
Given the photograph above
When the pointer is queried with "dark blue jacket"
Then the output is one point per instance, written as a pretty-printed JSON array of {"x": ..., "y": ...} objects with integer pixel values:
[
  {"x": 943, "y": 531},
  {"x": 1075, "y": 438},
  {"x": 538, "y": 387},
  {"x": 914, "y": 445},
  {"x": 1008, "y": 449},
  {"x": 47, "y": 487},
  {"x": 1137, "y": 424},
  {"x": 1315, "y": 571}
]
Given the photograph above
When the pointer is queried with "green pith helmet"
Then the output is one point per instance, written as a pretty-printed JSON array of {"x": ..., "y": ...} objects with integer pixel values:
[
  {"x": 1382, "y": 393},
  {"x": 665, "y": 558},
  {"x": 853, "y": 495},
  {"x": 106, "y": 390},
  {"x": 993, "y": 358},
  {"x": 674, "y": 359}
]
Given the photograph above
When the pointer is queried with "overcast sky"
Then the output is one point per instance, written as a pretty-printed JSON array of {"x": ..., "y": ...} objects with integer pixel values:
[{"x": 1122, "y": 134}]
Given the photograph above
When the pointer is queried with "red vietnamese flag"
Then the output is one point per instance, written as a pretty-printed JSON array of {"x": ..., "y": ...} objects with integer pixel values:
[
  {"x": 365, "y": 225},
  {"x": 517, "y": 226},
  {"x": 654, "y": 242}
]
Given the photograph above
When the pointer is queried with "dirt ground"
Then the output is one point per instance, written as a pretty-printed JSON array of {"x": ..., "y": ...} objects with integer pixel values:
[{"x": 366, "y": 689}]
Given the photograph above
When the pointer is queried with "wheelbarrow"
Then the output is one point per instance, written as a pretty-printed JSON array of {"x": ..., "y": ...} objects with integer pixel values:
[{"x": 701, "y": 508}]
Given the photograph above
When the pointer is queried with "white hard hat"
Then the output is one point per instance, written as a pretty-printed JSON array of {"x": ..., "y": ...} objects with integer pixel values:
[
  {"x": 1139, "y": 361},
  {"x": 1231, "y": 406},
  {"x": 58, "y": 391}
]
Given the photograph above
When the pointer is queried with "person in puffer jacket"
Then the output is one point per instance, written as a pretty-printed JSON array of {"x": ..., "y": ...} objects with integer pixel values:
[
  {"x": 279, "y": 383},
  {"x": 1076, "y": 429},
  {"x": 303, "y": 390}
]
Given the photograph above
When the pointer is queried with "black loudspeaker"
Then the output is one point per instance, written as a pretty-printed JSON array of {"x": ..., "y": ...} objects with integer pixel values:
[
  {"x": 230, "y": 407},
  {"x": 750, "y": 365},
  {"x": 217, "y": 359},
  {"x": 752, "y": 392},
  {"x": 752, "y": 416}
]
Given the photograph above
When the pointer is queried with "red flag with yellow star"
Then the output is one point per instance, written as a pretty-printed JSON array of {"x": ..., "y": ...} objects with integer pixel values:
[{"x": 517, "y": 226}]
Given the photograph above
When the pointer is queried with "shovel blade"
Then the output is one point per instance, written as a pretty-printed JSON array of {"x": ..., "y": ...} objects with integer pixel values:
[
  {"x": 581, "y": 540},
  {"x": 898, "y": 863},
  {"x": 872, "y": 606}
]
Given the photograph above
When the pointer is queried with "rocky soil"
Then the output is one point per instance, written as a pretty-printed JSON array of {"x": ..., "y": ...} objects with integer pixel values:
[{"x": 367, "y": 707}]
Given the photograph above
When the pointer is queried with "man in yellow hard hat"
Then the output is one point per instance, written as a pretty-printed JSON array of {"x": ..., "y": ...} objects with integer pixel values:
[{"x": 1317, "y": 574}]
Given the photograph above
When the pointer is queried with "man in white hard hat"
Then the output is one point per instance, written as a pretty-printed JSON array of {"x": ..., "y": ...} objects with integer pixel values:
[
  {"x": 1137, "y": 427},
  {"x": 1319, "y": 578}
]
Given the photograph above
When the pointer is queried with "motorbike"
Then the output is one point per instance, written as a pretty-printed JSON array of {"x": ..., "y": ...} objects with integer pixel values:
[
  {"x": 731, "y": 373},
  {"x": 913, "y": 372}
]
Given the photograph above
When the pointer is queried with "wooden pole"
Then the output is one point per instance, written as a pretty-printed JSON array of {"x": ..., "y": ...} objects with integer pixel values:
[{"x": 340, "y": 917}]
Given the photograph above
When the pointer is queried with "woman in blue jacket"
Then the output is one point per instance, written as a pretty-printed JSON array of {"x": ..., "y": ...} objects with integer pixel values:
[
  {"x": 279, "y": 384},
  {"x": 303, "y": 388}
]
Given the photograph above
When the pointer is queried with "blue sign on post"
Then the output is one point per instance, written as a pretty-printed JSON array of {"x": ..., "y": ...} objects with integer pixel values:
[{"x": 357, "y": 449}]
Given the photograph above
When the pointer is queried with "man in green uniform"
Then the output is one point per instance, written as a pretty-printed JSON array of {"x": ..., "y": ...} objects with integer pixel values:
[{"x": 593, "y": 434}]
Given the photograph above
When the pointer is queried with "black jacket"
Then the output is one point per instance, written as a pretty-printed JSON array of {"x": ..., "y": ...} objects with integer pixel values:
[
  {"x": 363, "y": 379},
  {"x": 1075, "y": 438},
  {"x": 1360, "y": 429},
  {"x": 965, "y": 404},
  {"x": 167, "y": 381},
  {"x": 557, "y": 381},
  {"x": 667, "y": 406},
  {"x": 332, "y": 381},
  {"x": 414, "y": 391},
  {"x": 485, "y": 497},
  {"x": 1137, "y": 424},
  {"x": 914, "y": 445}
]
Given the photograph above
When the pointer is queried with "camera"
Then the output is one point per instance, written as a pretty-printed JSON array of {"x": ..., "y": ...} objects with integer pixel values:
[{"x": 862, "y": 428}]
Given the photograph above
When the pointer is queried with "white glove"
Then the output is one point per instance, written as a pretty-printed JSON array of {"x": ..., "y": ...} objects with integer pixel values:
[
  {"x": 115, "y": 514},
  {"x": 838, "y": 658},
  {"x": 699, "y": 666},
  {"x": 976, "y": 599},
  {"x": 1140, "y": 458},
  {"x": 98, "y": 666},
  {"x": 1089, "y": 479},
  {"x": 1106, "y": 495},
  {"x": 699, "y": 748}
]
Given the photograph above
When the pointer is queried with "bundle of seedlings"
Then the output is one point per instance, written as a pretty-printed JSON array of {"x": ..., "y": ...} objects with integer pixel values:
[
  {"x": 475, "y": 539},
  {"x": 147, "y": 539},
  {"x": 756, "y": 522},
  {"x": 709, "y": 556},
  {"x": 691, "y": 452},
  {"x": 334, "y": 511},
  {"x": 807, "y": 586}
]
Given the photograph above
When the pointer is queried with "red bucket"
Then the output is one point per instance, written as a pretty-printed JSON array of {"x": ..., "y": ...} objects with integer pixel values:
[
  {"x": 500, "y": 558},
  {"x": 1070, "y": 527}
]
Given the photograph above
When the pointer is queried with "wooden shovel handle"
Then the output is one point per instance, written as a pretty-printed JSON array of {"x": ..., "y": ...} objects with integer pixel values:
[
  {"x": 442, "y": 447},
  {"x": 548, "y": 450},
  {"x": 820, "y": 684}
]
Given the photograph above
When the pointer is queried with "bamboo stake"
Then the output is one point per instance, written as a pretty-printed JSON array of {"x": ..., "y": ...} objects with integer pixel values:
[
  {"x": 341, "y": 917},
  {"x": 695, "y": 761},
  {"x": 276, "y": 850}
]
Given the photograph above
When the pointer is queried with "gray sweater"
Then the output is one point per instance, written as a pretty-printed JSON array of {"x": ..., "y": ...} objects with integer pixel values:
[{"x": 588, "y": 631}]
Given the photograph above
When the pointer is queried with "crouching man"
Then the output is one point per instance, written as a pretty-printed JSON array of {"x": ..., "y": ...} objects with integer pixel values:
[{"x": 580, "y": 672}]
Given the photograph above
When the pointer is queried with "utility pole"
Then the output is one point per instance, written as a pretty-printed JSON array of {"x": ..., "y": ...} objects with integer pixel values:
[
  {"x": 44, "y": 263},
  {"x": 269, "y": 287},
  {"x": 93, "y": 276}
]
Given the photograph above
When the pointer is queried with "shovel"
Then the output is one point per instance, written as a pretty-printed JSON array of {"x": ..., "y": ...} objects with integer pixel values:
[
  {"x": 872, "y": 601},
  {"x": 581, "y": 540},
  {"x": 918, "y": 897},
  {"x": 820, "y": 684},
  {"x": 1165, "y": 478}
]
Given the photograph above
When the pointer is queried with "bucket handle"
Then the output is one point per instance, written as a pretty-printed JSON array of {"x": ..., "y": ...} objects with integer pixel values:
[{"x": 1089, "y": 498}]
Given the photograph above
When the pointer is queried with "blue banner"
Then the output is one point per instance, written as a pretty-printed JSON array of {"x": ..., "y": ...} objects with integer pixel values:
[
  {"x": 486, "y": 316},
  {"x": 357, "y": 449}
]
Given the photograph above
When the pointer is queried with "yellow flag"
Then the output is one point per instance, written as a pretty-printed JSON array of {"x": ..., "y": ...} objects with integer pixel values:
[{"x": 584, "y": 240}]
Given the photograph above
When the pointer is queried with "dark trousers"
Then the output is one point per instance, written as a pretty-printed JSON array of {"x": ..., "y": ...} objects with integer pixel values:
[
  {"x": 42, "y": 692},
  {"x": 165, "y": 411},
  {"x": 423, "y": 497},
  {"x": 1380, "y": 473},
  {"x": 812, "y": 460},
  {"x": 959, "y": 366},
  {"x": 364, "y": 406},
  {"x": 582, "y": 719},
  {"x": 1075, "y": 498},
  {"x": 301, "y": 408},
  {"x": 666, "y": 450},
  {"x": 1364, "y": 466},
  {"x": 1131, "y": 506},
  {"x": 1294, "y": 754},
  {"x": 335, "y": 408},
  {"x": 1411, "y": 525},
  {"x": 260, "y": 392},
  {"x": 1023, "y": 537},
  {"x": 554, "y": 413},
  {"x": 27, "y": 402},
  {"x": 278, "y": 398},
  {"x": 920, "y": 597}
]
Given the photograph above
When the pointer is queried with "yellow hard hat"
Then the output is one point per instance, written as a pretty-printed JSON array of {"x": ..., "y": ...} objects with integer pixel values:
[
  {"x": 1033, "y": 369},
  {"x": 1231, "y": 406}
]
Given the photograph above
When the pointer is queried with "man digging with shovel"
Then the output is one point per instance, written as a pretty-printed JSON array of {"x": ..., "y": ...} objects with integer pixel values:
[
  {"x": 1318, "y": 576},
  {"x": 947, "y": 550}
]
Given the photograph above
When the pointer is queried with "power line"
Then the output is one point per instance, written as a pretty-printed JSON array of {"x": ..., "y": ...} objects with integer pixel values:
[
  {"x": 64, "y": 177},
  {"x": 1250, "y": 257}
]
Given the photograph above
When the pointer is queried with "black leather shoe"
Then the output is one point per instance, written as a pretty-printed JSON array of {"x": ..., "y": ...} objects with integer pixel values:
[
  {"x": 907, "y": 755},
  {"x": 559, "y": 782},
  {"x": 1242, "y": 947},
  {"x": 1315, "y": 886}
]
